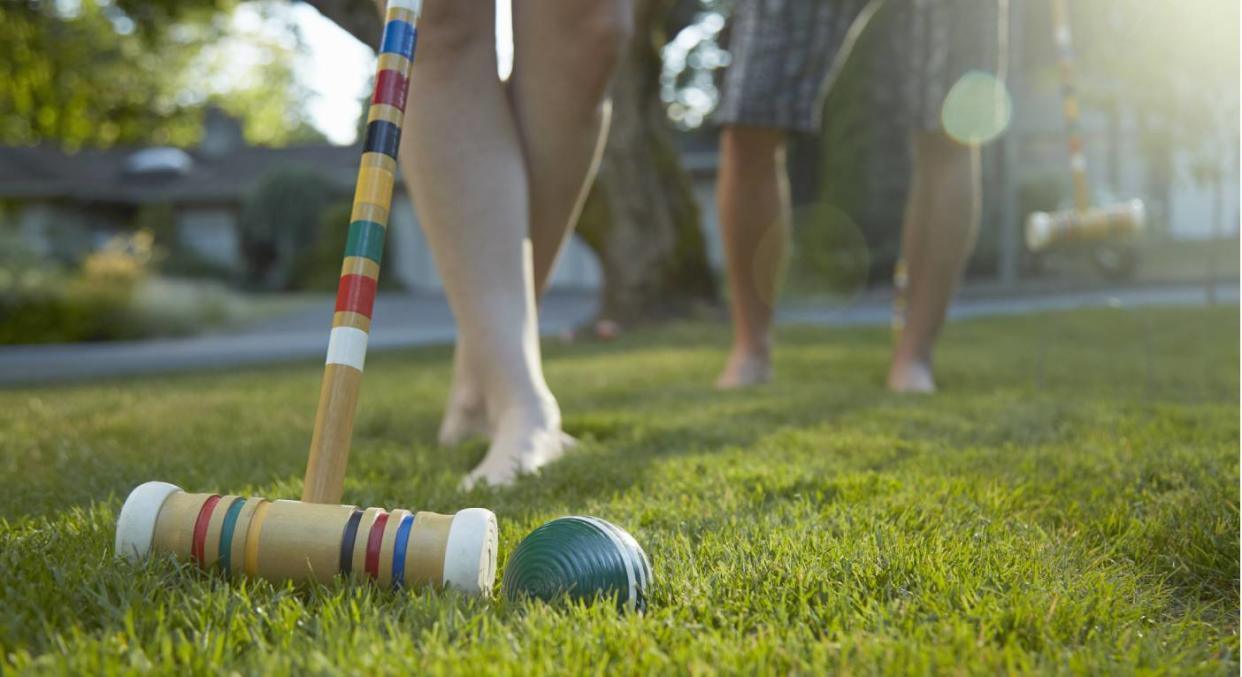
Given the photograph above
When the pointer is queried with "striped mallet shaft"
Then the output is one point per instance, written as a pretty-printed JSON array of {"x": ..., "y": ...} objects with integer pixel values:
[
  {"x": 355, "y": 298},
  {"x": 901, "y": 294},
  {"x": 1094, "y": 223},
  {"x": 1069, "y": 94},
  {"x": 1083, "y": 222},
  {"x": 291, "y": 540}
]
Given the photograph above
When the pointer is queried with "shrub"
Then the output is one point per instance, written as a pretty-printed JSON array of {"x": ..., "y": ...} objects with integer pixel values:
[
  {"x": 41, "y": 302},
  {"x": 1044, "y": 193},
  {"x": 830, "y": 254},
  {"x": 113, "y": 295},
  {"x": 159, "y": 219},
  {"x": 189, "y": 264},
  {"x": 280, "y": 220},
  {"x": 318, "y": 268}
]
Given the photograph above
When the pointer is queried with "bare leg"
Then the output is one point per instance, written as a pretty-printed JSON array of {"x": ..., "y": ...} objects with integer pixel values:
[
  {"x": 465, "y": 414},
  {"x": 752, "y": 193},
  {"x": 942, "y": 220},
  {"x": 465, "y": 170},
  {"x": 564, "y": 56}
]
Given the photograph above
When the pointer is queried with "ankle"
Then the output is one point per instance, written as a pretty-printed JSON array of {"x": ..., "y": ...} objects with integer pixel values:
[
  {"x": 466, "y": 398},
  {"x": 912, "y": 352},
  {"x": 912, "y": 376},
  {"x": 752, "y": 350},
  {"x": 534, "y": 410}
]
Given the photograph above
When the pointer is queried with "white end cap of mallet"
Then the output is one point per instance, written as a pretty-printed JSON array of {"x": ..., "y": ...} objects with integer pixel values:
[
  {"x": 1038, "y": 230},
  {"x": 470, "y": 553},
  {"x": 135, "y": 528}
]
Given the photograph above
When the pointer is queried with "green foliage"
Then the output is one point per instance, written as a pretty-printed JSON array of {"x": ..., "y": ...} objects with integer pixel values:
[
  {"x": 47, "y": 308},
  {"x": 267, "y": 96},
  {"x": 853, "y": 142},
  {"x": 42, "y": 303},
  {"x": 1043, "y": 194},
  {"x": 184, "y": 263},
  {"x": 280, "y": 220},
  {"x": 830, "y": 256},
  {"x": 1069, "y": 504},
  {"x": 159, "y": 219},
  {"x": 1174, "y": 63},
  {"x": 112, "y": 295},
  {"x": 96, "y": 73},
  {"x": 318, "y": 268}
]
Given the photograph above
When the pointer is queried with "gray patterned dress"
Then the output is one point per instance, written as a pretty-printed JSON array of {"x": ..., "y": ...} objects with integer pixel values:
[{"x": 784, "y": 53}]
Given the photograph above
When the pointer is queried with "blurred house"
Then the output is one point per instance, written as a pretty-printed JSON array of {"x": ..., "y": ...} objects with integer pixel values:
[{"x": 64, "y": 205}]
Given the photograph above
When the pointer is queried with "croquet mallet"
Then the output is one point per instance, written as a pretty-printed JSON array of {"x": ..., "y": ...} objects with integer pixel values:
[
  {"x": 315, "y": 538},
  {"x": 1083, "y": 221}
]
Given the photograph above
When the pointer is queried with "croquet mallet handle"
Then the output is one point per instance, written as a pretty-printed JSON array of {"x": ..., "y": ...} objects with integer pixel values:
[
  {"x": 1069, "y": 103},
  {"x": 355, "y": 299}
]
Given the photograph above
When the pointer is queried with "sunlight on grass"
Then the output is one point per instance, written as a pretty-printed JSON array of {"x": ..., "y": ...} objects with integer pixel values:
[{"x": 1068, "y": 504}]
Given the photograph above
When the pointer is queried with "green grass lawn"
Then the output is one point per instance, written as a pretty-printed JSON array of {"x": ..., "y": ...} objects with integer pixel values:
[{"x": 1068, "y": 504}]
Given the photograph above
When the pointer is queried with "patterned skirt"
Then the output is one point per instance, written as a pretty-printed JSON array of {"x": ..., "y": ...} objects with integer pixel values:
[{"x": 785, "y": 53}]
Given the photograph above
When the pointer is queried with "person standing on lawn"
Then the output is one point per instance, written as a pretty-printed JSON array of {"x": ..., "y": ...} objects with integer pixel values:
[
  {"x": 499, "y": 171},
  {"x": 783, "y": 55}
]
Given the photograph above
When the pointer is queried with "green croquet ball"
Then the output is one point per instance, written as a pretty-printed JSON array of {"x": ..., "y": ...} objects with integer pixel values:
[{"x": 582, "y": 558}]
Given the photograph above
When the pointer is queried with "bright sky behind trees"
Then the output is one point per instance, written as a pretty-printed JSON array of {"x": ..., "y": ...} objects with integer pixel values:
[{"x": 337, "y": 68}]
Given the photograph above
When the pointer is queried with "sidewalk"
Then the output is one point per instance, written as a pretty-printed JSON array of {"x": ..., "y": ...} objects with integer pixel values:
[
  {"x": 875, "y": 307},
  {"x": 404, "y": 321}
]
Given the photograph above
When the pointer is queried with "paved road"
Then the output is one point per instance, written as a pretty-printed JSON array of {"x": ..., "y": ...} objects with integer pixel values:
[
  {"x": 401, "y": 321},
  {"x": 876, "y": 309},
  {"x": 405, "y": 321}
]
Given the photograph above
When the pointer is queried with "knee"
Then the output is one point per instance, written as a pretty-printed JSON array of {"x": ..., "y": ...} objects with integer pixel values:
[
  {"x": 605, "y": 33},
  {"x": 450, "y": 29},
  {"x": 940, "y": 150},
  {"x": 593, "y": 36},
  {"x": 751, "y": 147}
]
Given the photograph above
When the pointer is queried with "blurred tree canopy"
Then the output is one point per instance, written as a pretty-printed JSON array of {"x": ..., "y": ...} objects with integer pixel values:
[
  {"x": 1175, "y": 64},
  {"x": 1175, "y": 61},
  {"x": 103, "y": 72}
]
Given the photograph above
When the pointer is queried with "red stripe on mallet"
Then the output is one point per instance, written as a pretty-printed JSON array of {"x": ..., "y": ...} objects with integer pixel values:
[
  {"x": 356, "y": 293},
  {"x": 374, "y": 540},
  {"x": 200, "y": 528},
  {"x": 390, "y": 88}
]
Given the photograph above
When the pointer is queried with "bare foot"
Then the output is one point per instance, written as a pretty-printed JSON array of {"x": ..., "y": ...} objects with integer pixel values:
[
  {"x": 464, "y": 419},
  {"x": 524, "y": 442},
  {"x": 911, "y": 376},
  {"x": 465, "y": 413},
  {"x": 744, "y": 370}
]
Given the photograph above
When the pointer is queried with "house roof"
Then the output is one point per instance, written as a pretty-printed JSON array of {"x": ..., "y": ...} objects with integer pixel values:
[{"x": 110, "y": 176}]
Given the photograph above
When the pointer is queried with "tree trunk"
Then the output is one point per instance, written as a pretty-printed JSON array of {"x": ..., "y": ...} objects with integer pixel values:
[{"x": 641, "y": 218}]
